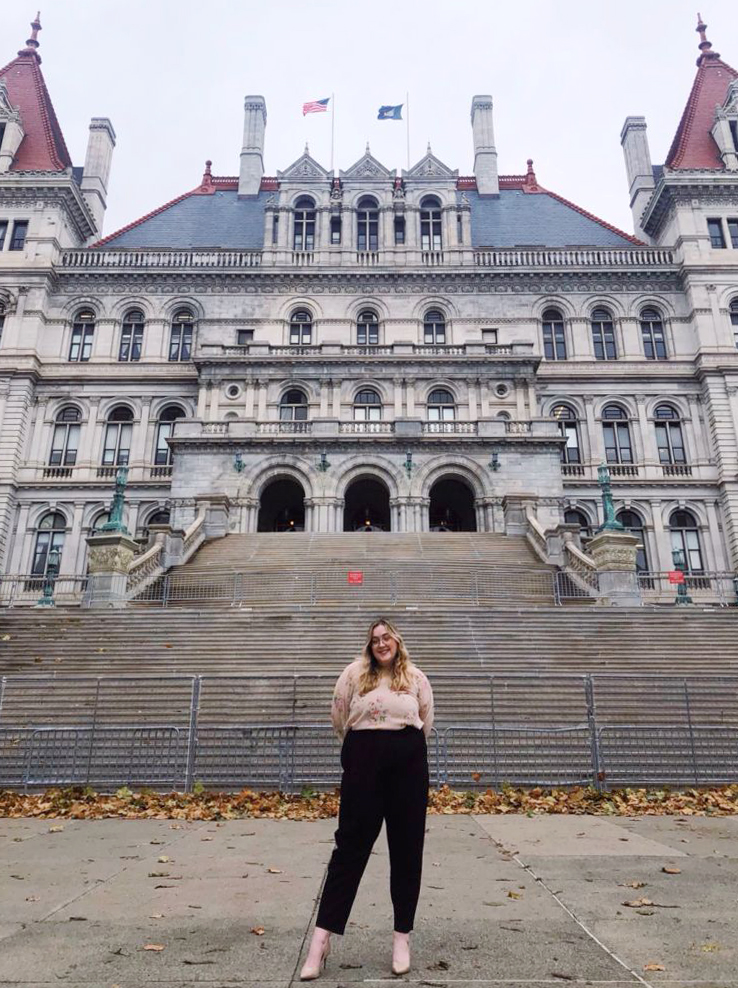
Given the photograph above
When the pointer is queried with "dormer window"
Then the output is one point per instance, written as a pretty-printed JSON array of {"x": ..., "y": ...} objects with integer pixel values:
[{"x": 304, "y": 234}]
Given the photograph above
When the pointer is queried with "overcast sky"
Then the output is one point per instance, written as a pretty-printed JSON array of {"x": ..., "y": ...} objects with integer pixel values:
[{"x": 172, "y": 74}]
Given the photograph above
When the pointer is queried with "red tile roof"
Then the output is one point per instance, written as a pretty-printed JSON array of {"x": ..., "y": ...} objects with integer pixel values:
[
  {"x": 43, "y": 147},
  {"x": 693, "y": 145}
]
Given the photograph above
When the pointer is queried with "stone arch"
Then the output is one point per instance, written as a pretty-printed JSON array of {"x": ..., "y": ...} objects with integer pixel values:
[
  {"x": 265, "y": 473},
  {"x": 376, "y": 467}
]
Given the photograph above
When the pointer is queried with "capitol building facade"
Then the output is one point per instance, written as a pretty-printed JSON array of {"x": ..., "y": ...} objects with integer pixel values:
[{"x": 368, "y": 349}]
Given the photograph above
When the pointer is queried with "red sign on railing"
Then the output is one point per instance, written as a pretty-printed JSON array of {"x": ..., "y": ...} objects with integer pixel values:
[
  {"x": 676, "y": 576},
  {"x": 355, "y": 576}
]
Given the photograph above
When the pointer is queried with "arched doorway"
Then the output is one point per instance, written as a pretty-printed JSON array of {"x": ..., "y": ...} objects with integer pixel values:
[
  {"x": 366, "y": 507},
  {"x": 452, "y": 507},
  {"x": 282, "y": 507}
]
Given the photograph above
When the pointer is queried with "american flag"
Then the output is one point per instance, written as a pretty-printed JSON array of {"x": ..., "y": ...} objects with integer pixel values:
[{"x": 315, "y": 106}]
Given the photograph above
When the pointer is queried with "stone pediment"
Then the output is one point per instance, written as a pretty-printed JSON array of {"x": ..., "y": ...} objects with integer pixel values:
[
  {"x": 430, "y": 168},
  {"x": 305, "y": 169},
  {"x": 367, "y": 168}
]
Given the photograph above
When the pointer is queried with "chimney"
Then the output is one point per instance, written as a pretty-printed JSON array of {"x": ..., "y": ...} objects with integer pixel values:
[
  {"x": 252, "y": 152},
  {"x": 638, "y": 166},
  {"x": 96, "y": 172},
  {"x": 485, "y": 154}
]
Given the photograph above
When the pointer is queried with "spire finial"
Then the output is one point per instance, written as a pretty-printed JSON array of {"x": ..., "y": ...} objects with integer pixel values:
[
  {"x": 32, "y": 43},
  {"x": 705, "y": 46},
  {"x": 368, "y": 150},
  {"x": 531, "y": 182},
  {"x": 428, "y": 149},
  {"x": 307, "y": 148}
]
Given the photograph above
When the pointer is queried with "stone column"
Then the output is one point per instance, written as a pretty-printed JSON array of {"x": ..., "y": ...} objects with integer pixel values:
[
  {"x": 648, "y": 436},
  {"x": 471, "y": 385},
  {"x": 595, "y": 439},
  {"x": 87, "y": 445},
  {"x": 202, "y": 400},
  {"x": 410, "y": 397},
  {"x": 138, "y": 446},
  {"x": 324, "y": 385},
  {"x": 215, "y": 401},
  {"x": 38, "y": 450},
  {"x": 397, "y": 385},
  {"x": 337, "y": 400},
  {"x": 18, "y": 557},
  {"x": 484, "y": 399},
  {"x": 614, "y": 555},
  {"x": 261, "y": 413},
  {"x": 71, "y": 559},
  {"x": 662, "y": 541},
  {"x": 110, "y": 556}
]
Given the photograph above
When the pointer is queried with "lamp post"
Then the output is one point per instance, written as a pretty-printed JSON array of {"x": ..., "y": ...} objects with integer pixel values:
[
  {"x": 610, "y": 524},
  {"x": 52, "y": 572},
  {"x": 682, "y": 596},
  {"x": 115, "y": 522}
]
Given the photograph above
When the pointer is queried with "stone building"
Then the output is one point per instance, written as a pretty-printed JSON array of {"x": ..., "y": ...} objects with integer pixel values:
[{"x": 367, "y": 348}]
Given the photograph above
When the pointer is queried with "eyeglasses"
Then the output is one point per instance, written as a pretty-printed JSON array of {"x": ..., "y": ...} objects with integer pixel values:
[{"x": 384, "y": 640}]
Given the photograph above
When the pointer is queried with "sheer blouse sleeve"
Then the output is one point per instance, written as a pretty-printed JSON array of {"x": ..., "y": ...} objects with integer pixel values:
[
  {"x": 342, "y": 693},
  {"x": 425, "y": 703}
]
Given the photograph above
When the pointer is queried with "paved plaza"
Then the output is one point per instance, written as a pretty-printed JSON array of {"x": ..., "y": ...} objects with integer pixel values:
[{"x": 506, "y": 901}]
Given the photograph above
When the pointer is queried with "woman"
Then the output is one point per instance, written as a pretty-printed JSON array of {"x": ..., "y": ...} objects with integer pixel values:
[{"x": 383, "y": 711}]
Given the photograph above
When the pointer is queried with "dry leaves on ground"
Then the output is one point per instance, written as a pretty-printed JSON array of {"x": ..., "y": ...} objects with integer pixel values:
[{"x": 85, "y": 804}]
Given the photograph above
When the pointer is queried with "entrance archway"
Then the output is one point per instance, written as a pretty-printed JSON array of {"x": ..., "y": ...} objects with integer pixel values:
[
  {"x": 366, "y": 507},
  {"x": 282, "y": 507},
  {"x": 452, "y": 507}
]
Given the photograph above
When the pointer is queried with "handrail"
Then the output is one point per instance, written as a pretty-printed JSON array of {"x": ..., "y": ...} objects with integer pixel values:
[
  {"x": 580, "y": 565},
  {"x": 191, "y": 532}
]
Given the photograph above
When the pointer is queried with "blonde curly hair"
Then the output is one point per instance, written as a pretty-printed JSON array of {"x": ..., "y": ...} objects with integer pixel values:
[{"x": 402, "y": 668}]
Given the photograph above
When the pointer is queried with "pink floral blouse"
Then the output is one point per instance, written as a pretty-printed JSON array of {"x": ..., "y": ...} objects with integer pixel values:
[{"x": 380, "y": 708}]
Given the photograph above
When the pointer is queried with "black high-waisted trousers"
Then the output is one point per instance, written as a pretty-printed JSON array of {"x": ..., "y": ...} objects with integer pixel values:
[{"x": 385, "y": 777}]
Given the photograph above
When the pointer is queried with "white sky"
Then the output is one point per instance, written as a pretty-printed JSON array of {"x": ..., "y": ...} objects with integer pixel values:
[{"x": 564, "y": 74}]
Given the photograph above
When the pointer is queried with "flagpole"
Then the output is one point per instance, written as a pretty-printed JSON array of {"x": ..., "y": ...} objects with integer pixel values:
[
  {"x": 407, "y": 107},
  {"x": 333, "y": 124}
]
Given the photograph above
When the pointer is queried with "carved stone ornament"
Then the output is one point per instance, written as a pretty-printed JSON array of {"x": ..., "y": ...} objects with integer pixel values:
[
  {"x": 110, "y": 553},
  {"x": 614, "y": 551}
]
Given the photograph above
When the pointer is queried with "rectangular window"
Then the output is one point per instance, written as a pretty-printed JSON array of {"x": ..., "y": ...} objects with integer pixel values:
[
  {"x": 335, "y": 230},
  {"x": 131, "y": 342},
  {"x": 275, "y": 229},
  {"x": 617, "y": 443},
  {"x": 603, "y": 337},
  {"x": 2, "y": 133},
  {"x": 244, "y": 336},
  {"x": 459, "y": 229},
  {"x": 117, "y": 445},
  {"x": 489, "y": 335},
  {"x": 180, "y": 342},
  {"x": 64, "y": 446},
  {"x": 715, "y": 229},
  {"x": 18, "y": 240},
  {"x": 81, "y": 345},
  {"x": 654, "y": 344},
  {"x": 733, "y": 232},
  {"x": 399, "y": 230},
  {"x": 300, "y": 335},
  {"x": 3, "y": 232}
]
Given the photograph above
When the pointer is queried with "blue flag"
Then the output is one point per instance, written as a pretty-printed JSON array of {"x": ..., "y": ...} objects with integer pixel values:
[{"x": 390, "y": 112}]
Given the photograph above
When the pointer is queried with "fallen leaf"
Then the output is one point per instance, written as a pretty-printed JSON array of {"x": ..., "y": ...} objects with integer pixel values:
[
  {"x": 635, "y": 903},
  {"x": 6, "y": 638},
  {"x": 258, "y": 930},
  {"x": 275, "y": 871},
  {"x": 32, "y": 898},
  {"x": 162, "y": 859},
  {"x": 158, "y": 874},
  {"x": 154, "y": 946},
  {"x": 186, "y": 960},
  {"x": 514, "y": 895},
  {"x": 632, "y": 885},
  {"x": 654, "y": 967},
  {"x": 81, "y": 919},
  {"x": 156, "y": 916},
  {"x": 56, "y": 830},
  {"x": 710, "y": 947},
  {"x": 671, "y": 871}
]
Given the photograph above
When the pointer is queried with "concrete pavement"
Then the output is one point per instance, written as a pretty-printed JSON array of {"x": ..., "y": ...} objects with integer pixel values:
[{"x": 506, "y": 901}]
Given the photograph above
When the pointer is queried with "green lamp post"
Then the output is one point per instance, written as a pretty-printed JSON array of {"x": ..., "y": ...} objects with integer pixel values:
[
  {"x": 115, "y": 522},
  {"x": 682, "y": 596},
  {"x": 610, "y": 524},
  {"x": 52, "y": 572}
]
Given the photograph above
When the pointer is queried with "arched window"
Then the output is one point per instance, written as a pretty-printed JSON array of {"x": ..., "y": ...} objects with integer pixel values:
[
  {"x": 180, "y": 336},
  {"x": 164, "y": 431},
  {"x": 603, "y": 335},
  {"x": 367, "y": 224},
  {"x": 574, "y": 517},
  {"x": 669, "y": 438},
  {"x": 430, "y": 224},
  {"x": 618, "y": 447},
  {"x": 301, "y": 328},
  {"x": 131, "y": 336},
  {"x": 117, "y": 447},
  {"x": 554, "y": 340},
  {"x": 83, "y": 330},
  {"x": 734, "y": 319},
  {"x": 65, "y": 441},
  {"x": 50, "y": 536},
  {"x": 161, "y": 517},
  {"x": 304, "y": 230},
  {"x": 685, "y": 542},
  {"x": 441, "y": 406},
  {"x": 569, "y": 427},
  {"x": 367, "y": 328},
  {"x": 2, "y": 322},
  {"x": 293, "y": 407},
  {"x": 102, "y": 519},
  {"x": 434, "y": 327},
  {"x": 633, "y": 525},
  {"x": 652, "y": 333},
  {"x": 367, "y": 406}
]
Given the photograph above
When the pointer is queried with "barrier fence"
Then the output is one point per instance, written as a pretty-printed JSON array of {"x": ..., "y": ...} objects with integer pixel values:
[{"x": 228, "y": 732}]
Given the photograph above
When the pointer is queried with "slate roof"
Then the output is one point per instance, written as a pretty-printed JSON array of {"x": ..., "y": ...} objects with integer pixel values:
[
  {"x": 213, "y": 216},
  {"x": 43, "y": 147},
  {"x": 693, "y": 145}
]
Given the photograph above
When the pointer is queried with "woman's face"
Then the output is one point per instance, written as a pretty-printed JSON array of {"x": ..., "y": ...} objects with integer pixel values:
[{"x": 384, "y": 646}]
